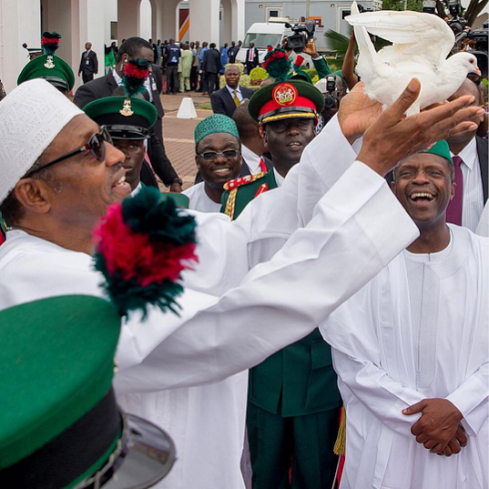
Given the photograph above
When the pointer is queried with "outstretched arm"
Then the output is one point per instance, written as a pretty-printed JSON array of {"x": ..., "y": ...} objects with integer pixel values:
[{"x": 347, "y": 70}]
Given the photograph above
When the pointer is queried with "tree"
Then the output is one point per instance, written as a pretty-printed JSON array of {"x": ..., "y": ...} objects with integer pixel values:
[{"x": 473, "y": 10}]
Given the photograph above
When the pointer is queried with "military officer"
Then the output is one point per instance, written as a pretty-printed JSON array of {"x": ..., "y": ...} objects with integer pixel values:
[
  {"x": 294, "y": 402},
  {"x": 48, "y": 66}
]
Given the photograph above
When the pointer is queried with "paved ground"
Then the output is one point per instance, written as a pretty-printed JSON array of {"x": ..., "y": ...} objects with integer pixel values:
[{"x": 179, "y": 134}]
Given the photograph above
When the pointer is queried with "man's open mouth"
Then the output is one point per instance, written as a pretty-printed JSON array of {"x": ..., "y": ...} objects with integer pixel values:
[{"x": 422, "y": 197}]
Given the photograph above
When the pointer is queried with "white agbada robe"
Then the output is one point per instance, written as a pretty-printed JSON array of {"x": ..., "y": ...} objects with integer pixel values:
[
  {"x": 418, "y": 330},
  {"x": 216, "y": 337}
]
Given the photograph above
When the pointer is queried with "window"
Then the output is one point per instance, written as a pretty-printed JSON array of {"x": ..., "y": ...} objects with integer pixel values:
[
  {"x": 262, "y": 40},
  {"x": 113, "y": 30}
]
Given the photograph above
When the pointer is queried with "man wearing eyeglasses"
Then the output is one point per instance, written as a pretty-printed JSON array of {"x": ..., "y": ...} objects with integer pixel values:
[
  {"x": 218, "y": 158},
  {"x": 51, "y": 209}
]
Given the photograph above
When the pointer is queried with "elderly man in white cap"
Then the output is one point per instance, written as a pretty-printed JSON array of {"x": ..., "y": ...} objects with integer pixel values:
[{"x": 58, "y": 175}]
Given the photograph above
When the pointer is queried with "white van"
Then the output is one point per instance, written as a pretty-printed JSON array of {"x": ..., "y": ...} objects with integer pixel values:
[{"x": 263, "y": 34}]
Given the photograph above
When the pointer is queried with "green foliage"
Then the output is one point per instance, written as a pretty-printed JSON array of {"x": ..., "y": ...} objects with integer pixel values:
[
  {"x": 414, "y": 5},
  {"x": 239, "y": 65},
  {"x": 311, "y": 72},
  {"x": 258, "y": 74}
]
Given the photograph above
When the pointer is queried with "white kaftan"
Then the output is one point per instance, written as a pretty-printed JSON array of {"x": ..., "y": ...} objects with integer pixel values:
[
  {"x": 220, "y": 329},
  {"x": 418, "y": 330}
]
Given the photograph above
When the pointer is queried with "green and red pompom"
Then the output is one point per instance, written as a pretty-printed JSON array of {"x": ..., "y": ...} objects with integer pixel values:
[
  {"x": 50, "y": 42},
  {"x": 135, "y": 73},
  {"x": 277, "y": 64},
  {"x": 142, "y": 246}
]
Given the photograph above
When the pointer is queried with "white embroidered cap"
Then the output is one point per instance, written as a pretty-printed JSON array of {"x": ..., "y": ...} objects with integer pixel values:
[{"x": 31, "y": 116}]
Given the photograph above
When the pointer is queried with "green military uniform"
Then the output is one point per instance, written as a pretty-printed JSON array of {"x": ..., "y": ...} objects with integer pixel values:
[
  {"x": 293, "y": 395},
  {"x": 297, "y": 381}
]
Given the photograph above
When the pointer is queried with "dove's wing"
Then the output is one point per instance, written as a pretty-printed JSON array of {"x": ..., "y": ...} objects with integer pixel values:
[
  {"x": 365, "y": 46},
  {"x": 411, "y": 33}
]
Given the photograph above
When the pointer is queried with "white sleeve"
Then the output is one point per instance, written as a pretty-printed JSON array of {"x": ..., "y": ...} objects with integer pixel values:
[
  {"x": 228, "y": 250},
  {"x": 279, "y": 301},
  {"x": 278, "y": 213},
  {"x": 471, "y": 398},
  {"x": 380, "y": 394},
  {"x": 352, "y": 333}
]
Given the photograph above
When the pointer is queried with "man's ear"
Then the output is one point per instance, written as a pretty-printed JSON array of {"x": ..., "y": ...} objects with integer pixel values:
[
  {"x": 34, "y": 195},
  {"x": 393, "y": 186},
  {"x": 263, "y": 133},
  {"x": 453, "y": 189}
]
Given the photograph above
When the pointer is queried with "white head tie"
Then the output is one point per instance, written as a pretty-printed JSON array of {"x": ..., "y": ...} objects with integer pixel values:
[{"x": 31, "y": 116}]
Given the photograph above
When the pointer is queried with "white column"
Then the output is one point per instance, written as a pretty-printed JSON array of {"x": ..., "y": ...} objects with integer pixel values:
[
  {"x": 16, "y": 28},
  {"x": 227, "y": 20},
  {"x": 128, "y": 19},
  {"x": 204, "y": 20},
  {"x": 92, "y": 29},
  {"x": 238, "y": 20},
  {"x": 165, "y": 14}
]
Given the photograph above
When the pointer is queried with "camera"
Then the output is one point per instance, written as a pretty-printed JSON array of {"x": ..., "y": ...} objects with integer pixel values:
[
  {"x": 480, "y": 36},
  {"x": 331, "y": 98},
  {"x": 302, "y": 34}
]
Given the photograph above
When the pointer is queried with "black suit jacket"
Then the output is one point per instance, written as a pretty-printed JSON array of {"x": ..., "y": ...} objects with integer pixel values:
[
  {"x": 223, "y": 103},
  {"x": 92, "y": 66},
  {"x": 482, "y": 153},
  {"x": 256, "y": 59},
  {"x": 104, "y": 87},
  {"x": 212, "y": 61}
]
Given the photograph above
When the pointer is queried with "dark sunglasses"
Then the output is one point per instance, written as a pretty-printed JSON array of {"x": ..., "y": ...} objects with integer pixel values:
[
  {"x": 96, "y": 146},
  {"x": 212, "y": 155}
]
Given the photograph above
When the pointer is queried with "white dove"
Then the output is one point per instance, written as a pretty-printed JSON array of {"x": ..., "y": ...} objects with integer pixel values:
[{"x": 421, "y": 44}]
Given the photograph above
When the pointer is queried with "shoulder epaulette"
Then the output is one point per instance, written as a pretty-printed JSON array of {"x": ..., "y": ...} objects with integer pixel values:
[{"x": 238, "y": 182}]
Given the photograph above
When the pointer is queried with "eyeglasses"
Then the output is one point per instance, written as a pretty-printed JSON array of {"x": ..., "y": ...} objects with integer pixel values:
[
  {"x": 212, "y": 155},
  {"x": 475, "y": 77},
  {"x": 96, "y": 146}
]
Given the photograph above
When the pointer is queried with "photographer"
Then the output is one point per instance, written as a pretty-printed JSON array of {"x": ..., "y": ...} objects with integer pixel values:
[
  {"x": 309, "y": 48},
  {"x": 333, "y": 89}
]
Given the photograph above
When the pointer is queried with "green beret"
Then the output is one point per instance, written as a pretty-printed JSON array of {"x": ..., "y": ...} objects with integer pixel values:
[
  {"x": 124, "y": 118},
  {"x": 52, "y": 68},
  {"x": 440, "y": 148},
  {"x": 214, "y": 124},
  {"x": 286, "y": 100}
]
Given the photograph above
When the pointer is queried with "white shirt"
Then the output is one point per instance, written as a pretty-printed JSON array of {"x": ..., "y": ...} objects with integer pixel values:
[
  {"x": 473, "y": 198},
  {"x": 483, "y": 226},
  {"x": 251, "y": 159},
  {"x": 238, "y": 92},
  {"x": 182, "y": 360},
  {"x": 418, "y": 330},
  {"x": 278, "y": 178},
  {"x": 137, "y": 189},
  {"x": 199, "y": 200}
]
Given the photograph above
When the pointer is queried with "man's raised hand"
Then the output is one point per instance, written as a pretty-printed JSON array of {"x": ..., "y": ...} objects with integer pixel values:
[{"x": 393, "y": 137}]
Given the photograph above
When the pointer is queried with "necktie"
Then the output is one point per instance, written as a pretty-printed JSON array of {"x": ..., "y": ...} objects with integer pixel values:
[
  {"x": 454, "y": 210},
  {"x": 263, "y": 166},
  {"x": 235, "y": 98},
  {"x": 251, "y": 56}
]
